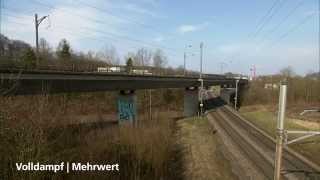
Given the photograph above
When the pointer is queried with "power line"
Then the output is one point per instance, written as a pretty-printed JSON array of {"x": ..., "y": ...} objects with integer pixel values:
[
  {"x": 108, "y": 12},
  {"x": 125, "y": 37},
  {"x": 49, "y": 6},
  {"x": 83, "y": 34},
  {"x": 319, "y": 37},
  {"x": 103, "y": 10},
  {"x": 252, "y": 35},
  {"x": 276, "y": 27},
  {"x": 281, "y": 3},
  {"x": 16, "y": 22},
  {"x": 291, "y": 30},
  {"x": 102, "y": 22},
  {"x": 8, "y": 14},
  {"x": 16, "y": 10},
  {"x": 1, "y": 48},
  {"x": 102, "y": 34},
  {"x": 263, "y": 20}
]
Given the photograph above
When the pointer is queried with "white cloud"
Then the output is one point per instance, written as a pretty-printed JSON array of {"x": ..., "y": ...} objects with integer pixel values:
[
  {"x": 192, "y": 28},
  {"x": 153, "y": 3},
  {"x": 159, "y": 39},
  {"x": 138, "y": 9},
  {"x": 311, "y": 13}
]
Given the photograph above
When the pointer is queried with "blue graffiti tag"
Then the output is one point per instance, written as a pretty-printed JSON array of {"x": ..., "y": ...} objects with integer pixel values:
[{"x": 127, "y": 110}]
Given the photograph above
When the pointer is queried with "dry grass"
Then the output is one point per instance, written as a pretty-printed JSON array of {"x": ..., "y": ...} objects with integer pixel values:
[
  {"x": 34, "y": 128},
  {"x": 202, "y": 155}
]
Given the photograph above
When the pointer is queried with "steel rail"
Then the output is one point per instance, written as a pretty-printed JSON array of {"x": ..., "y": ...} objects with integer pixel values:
[{"x": 260, "y": 147}]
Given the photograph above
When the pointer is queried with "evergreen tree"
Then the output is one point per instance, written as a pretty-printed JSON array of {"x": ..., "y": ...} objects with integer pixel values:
[
  {"x": 64, "y": 50},
  {"x": 129, "y": 65},
  {"x": 29, "y": 58}
]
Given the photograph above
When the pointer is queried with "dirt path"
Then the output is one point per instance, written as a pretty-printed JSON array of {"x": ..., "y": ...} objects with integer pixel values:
[{"x": 202, "y": 155}]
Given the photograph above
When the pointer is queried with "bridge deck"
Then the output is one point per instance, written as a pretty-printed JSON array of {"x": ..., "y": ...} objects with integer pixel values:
[{"x": 57, "y": 82}]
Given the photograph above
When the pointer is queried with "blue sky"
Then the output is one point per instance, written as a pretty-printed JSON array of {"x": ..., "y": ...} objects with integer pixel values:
[{"x": 235, "y": 33}]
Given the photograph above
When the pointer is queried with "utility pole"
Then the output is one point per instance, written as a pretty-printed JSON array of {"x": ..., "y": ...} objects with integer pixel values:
[
  {"x": 319, "y": 38},
  {"x": 1, "y": 48},
  {"x": 37, "y": 22},
  {"x": 280, "y": 130},
  {"x": 236, "y": 96},
  {"x": 142, "y": 56},
  {"x": 0, "y": 15},
  {"x": 184, "y": 63},
  {"x": 150, "y": 104},
  {"x": 201, "y": 54},
  {"x": 253, "y": 72},
  {"x": 201, "y": 80}
]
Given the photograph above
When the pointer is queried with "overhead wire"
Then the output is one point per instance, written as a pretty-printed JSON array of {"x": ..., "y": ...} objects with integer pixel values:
[
  {"x": 106, "y": 11},
  {"x": 274, "y": 12},
  {"x": 263, "y": 19},
  {"x": 133, "y": 21},
  {"x": 103, "y": 23},
  {"x": 285, "y": 34},
  {"x": 260, "y": 25},
  {"x": 83, "y": 33},
  {"x": 282, "y": 21},
  {"x": 294, "y": 28},
  {"x": 63, "y": 31}
]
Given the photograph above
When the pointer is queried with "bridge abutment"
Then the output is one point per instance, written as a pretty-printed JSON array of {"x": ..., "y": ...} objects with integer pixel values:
[
  {"x": 191, "y": 101},
  {"x": 127, "y": 106}
]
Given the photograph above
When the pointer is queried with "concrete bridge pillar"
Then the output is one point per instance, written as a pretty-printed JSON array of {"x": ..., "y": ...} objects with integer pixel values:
[
  {"x": 127, "y": 106},
  {"x": 191, "y": 102}
]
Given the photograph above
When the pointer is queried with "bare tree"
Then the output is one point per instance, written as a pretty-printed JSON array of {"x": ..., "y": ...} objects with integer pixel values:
[
  {"x": 110, "y": 55},
  {"x": 159, "y": 59},
  {"x": 44, "y": 49},
  {"x": 142, "y": 57},
  {"x": 287, "y": 72}
]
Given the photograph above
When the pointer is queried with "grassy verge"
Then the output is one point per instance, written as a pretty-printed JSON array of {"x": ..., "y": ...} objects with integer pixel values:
[
  {"x": 32, "y": 130},
  {"x": 202, "y": 155},
  {"x": 266, "y": 120}
]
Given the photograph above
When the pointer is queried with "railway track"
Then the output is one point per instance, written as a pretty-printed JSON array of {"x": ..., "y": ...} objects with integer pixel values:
[{"x": 259, "y": 147}]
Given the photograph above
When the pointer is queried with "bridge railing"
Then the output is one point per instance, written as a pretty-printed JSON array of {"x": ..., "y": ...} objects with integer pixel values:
[
  {"x": 103, "y": 69},
  {"x": 76, "y": 67}
]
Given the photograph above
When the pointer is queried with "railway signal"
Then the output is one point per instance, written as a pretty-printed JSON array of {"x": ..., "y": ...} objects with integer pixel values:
[{"x": 201, "y": 80}]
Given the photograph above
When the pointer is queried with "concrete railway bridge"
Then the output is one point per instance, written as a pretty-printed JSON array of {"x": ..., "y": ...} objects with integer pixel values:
[{"x": 39, "y": 82}]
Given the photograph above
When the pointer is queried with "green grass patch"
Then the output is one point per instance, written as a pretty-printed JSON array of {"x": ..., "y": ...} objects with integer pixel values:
[{"x": 267, "y": 121}]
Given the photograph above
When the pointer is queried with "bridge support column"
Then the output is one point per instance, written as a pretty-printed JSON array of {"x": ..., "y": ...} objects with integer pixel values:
[
  {"x": 191, "y": 102},
  {"x": 127, "y": 109}
]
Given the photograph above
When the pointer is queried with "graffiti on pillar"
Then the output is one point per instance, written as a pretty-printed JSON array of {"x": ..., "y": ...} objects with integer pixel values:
[{"x": 127, "y": 109}]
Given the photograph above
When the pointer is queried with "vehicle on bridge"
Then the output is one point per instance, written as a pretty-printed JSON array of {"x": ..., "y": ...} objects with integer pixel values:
[
  {"x": 109, "y": 69},
  {"x": 141, "y": 71}
]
